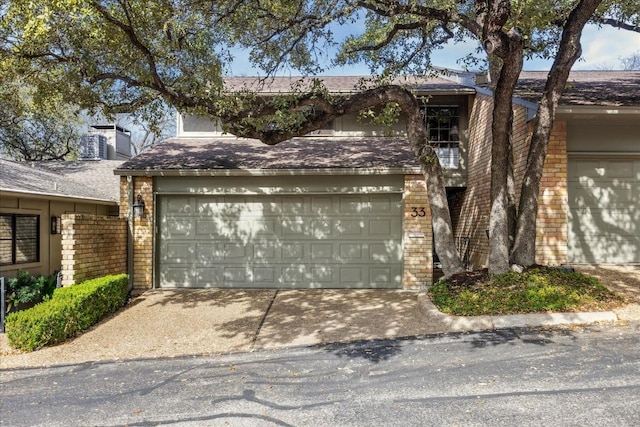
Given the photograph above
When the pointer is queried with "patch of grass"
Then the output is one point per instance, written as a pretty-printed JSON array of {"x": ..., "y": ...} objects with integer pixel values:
[{"x": 536, "y": 290}]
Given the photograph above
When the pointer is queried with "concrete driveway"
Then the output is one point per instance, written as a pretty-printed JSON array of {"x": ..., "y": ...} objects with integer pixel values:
[
  {"x": 171, "y": 323},
  {"x": 168, "y": 323}
]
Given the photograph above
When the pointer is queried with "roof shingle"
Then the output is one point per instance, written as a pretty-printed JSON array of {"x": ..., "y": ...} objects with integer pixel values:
[
  {"x": 89, "y": 179},
  {"x": 297, "y": 153}
]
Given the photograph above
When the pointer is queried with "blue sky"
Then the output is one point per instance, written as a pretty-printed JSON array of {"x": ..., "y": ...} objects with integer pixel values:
[{"x": 602, "y": 48}]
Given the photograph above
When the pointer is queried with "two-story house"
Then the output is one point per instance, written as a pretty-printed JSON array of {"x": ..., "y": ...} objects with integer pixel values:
[{"x": 346, "y": 206}]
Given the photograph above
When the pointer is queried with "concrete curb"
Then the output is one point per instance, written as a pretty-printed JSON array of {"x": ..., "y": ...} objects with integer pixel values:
[{"x": 483, "y": 323}]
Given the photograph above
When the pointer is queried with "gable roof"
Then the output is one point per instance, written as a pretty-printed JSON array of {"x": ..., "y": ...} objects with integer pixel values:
[
  {"x": 207, "y": 154},
  {"x": 597, "y": 88},
  {"x": 90, "y": 180}
]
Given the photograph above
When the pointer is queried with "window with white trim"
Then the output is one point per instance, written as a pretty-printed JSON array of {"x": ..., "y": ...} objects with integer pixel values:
[
  {"x": 19, "y": 238},
  {"x": 443, "y": 123}
]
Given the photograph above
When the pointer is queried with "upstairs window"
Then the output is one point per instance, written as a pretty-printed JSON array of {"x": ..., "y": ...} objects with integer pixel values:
[
  {"x": 19, "y": 239},
  {"x": 443, "y": 129}
]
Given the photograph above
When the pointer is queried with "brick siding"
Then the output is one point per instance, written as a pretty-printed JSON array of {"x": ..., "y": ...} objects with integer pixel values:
[
  {"x": 470, "y": 208},
  {"x": 92, "y": 246},
  {"x": 418, "y": 234},
  {"x": 141, "y": 230}
]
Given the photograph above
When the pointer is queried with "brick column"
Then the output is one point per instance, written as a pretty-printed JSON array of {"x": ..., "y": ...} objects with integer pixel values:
[
  {"x": 418, "y": 234},
  {"x": 551, "y": 238},
  {"x": 143, "y": 235}
]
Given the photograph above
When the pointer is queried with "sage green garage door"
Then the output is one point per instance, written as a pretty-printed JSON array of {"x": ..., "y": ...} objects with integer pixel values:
[
  {"x": 604, "y": 210},
  {"x": 280, "y": 241}
]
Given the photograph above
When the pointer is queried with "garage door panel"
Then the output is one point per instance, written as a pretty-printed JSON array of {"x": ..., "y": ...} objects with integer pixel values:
[
  {"x": 596, "y": 220},
  {"x": 179, "y": 251},
  {"x": 208, "y": 277},
  {"x": 180, "y": 205},
  {"x": 180, "y": 227},
  {"x": 323, "y": 275},
  {"x": 322, "y": 229},
  {"x": 384, "y": 253},
  {"x": 352, "y": 252},
  {"x": 293, "y": 251},
  {"x": 322, "y": 251},
  {"x": 351, "y": 276},
  {"x": 265, "y": 276},
  {"x": 615, "y": 249},
  {"x": 177, "y": 276},
  {"x": 308, "y": 241},
  {"x": 604, "y": 194},
  {"x": 381, "y": 275},
  {"x": 604, "y": 214},
  {"x": 354, "y": 205},
  {"x": 265, "y": 251}
]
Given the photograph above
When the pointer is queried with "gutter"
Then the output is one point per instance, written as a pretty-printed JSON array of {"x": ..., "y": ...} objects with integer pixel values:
[
  {"x": 408, "y": 170},
  {"x": 42, "y": 195}
]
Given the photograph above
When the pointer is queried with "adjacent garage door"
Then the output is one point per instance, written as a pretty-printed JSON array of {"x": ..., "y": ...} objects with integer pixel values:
[
  {"x": 604, "y": 210},
  {"x": 280, "y": 241}
]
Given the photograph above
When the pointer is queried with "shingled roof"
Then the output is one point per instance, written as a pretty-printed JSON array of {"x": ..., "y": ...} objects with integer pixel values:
[
  {"x": 343, "y": 84},
  {"x": 597, "y": 88},
  {"x": 207, "y": 154},
  {"x": 91, "y": 180}
]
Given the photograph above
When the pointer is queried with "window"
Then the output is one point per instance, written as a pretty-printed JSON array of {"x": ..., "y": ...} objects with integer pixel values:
[
  {"x": 442, "y": 126},
  {"x": 19, "y": 238}
]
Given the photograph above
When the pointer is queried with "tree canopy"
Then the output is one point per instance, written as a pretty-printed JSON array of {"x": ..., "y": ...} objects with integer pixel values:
[{"x": 125, "y": 55}]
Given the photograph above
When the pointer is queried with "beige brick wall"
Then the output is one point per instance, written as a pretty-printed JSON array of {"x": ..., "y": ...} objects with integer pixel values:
[
  {"x": 552, "y": 231},
  {"x": 92, "y": 246},
  {"x": 418, "y": 234},
  {"x": 470, "y": 208},
  {"x": 142, "y": 231}
]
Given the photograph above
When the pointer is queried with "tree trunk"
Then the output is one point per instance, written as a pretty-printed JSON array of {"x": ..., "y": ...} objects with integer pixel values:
[
  {"x": 524, "y": 248},
  {"x": 501, "y": 222}
]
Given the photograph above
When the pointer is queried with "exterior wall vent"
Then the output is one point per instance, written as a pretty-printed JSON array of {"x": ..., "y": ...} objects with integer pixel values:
[{"x": 93, "y": 147}]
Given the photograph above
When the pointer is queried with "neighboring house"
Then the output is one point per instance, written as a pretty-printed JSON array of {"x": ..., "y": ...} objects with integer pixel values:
[
  {"x": 346, "y": 206},
  {"x": 34, "y": 195}
]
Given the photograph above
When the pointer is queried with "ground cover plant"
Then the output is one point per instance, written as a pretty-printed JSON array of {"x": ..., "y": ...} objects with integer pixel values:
[{"x": 538, "y": 289}]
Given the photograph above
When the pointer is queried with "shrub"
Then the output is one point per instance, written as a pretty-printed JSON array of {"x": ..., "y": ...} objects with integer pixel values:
[
  {"x": 24, "y": 289},
  {"x": 70, "y": 310}
]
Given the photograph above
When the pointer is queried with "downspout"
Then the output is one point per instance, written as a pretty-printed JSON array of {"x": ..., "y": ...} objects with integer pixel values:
[{"x": 130, "y": 232}]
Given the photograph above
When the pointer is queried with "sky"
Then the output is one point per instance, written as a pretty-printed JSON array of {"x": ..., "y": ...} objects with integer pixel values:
[{"x": 602, "y": 49}]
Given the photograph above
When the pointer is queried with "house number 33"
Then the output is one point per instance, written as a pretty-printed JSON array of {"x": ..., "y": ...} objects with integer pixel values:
[{"x": 415, "y": 212}]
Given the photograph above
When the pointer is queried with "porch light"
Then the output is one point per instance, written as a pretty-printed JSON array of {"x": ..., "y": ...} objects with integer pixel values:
[
  {"x": 138, "y": 207},
  {"x": 55, "y": 225}
]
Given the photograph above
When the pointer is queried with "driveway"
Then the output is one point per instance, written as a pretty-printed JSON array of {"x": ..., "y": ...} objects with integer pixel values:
[{"x": 170, "y": 323}]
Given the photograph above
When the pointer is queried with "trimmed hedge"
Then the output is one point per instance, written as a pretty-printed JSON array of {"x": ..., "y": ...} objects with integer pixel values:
[{"x": 70, "y": 310}]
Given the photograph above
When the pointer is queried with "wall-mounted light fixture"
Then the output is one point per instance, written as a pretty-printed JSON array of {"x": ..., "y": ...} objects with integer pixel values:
[
  {"x": 138, "y": 207},
  {"x": 55, "y": 225}
]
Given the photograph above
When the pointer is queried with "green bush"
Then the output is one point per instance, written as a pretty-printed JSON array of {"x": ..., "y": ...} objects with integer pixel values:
[
  {"x": 70, "y": 310},
  {"x": 24, "y": 289}
]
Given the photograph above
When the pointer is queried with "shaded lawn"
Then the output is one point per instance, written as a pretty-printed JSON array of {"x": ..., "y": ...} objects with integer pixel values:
[{"x": 538, "y": 289}]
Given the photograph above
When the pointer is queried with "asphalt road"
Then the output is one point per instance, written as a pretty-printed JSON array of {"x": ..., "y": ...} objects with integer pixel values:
[{"x": 581, "y": 377}]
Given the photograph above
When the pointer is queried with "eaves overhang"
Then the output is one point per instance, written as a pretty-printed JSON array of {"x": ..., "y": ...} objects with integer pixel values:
[
  {"x": 13, "y": 192},
  {"x": 269, "y": 172}
]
